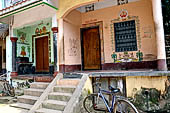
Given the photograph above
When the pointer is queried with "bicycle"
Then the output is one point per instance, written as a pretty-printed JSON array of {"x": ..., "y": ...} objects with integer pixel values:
[
  {"x": 7, "y": 88},
  {"x": 97, "y": 102}
]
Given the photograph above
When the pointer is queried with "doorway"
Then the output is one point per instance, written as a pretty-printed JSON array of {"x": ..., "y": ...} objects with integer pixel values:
[
  {"x": 42, "y": 56},
  {"x": 91, "y": 53}
]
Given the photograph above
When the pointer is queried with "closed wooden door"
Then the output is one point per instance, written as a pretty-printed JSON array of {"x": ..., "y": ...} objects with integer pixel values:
[
  {"x": 91, "y": 48},
  {"x": 0, "y": 59},
  {"x": 42, "y": 58}
]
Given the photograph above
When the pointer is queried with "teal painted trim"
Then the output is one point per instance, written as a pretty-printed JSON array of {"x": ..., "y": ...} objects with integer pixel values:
[
  {"x": 50, "y": 6},
  {"x": 30, "y": 8}
]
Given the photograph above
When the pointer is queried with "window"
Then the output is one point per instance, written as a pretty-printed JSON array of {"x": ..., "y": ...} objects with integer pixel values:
[
  {"x": 121, "y": 2},
  {"x": 89, "y": 8},
  {"x": 125, "y": 36}
]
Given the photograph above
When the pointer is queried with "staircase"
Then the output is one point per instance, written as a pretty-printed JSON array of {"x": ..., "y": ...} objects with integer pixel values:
[
  {"x": 59, "y": 97},
  {"x": 31, "y": 95}
]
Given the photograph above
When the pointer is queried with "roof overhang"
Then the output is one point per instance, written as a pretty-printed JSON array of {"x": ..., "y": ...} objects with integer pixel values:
[{"x": 25, "y": 8}]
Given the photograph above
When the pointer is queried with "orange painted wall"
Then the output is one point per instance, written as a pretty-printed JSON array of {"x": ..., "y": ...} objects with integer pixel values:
[{"x": 142, "y": 9}]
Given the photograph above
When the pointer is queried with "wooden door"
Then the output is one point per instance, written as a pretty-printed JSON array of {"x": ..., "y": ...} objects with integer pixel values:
[
  {"x": 42, "y": 58},
  {"x": 91, "y": 48},
  {"x": 0, "y": 59}
]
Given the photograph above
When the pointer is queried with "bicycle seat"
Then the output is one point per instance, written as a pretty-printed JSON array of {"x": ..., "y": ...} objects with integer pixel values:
[{"x": 114, "y": 90}]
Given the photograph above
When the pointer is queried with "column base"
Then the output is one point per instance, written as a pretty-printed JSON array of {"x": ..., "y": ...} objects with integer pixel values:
[
  {"x": 14, "y": 74},
  {"x": 161, "y": 65},
  {"x": 55, "y": 73}
]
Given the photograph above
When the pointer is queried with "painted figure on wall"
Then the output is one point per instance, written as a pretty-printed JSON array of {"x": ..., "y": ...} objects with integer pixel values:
[
  {"x": 139, "y": 55},
  {"x": 127, "y": 57},
  {"x": 23, "y": 52},
  {"x": 114, "y": 56}
]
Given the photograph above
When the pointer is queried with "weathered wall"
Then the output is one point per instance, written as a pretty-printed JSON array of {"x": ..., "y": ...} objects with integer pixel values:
[
  {"x": 67, "y": 5},
  {"x": 72, "y": 24},
  {"x": 145, "y": 37},
  {"x": 134, "y": 83},
  {"x": 146, "y": 41},
  {"x": 26, "y": 32},
  {"x": 8, "y": 54}
]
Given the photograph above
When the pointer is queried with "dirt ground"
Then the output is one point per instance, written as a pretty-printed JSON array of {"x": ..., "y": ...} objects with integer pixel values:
[{"x": 5, "y": 108}]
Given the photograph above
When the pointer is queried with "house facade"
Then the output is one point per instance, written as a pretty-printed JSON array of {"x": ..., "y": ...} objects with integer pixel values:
[
  {"x": 51, "y": 36},
  {"x": 109, "y": 34},
  {"x": 113, "y": 35},
  {"x": 30, "y": 39}
]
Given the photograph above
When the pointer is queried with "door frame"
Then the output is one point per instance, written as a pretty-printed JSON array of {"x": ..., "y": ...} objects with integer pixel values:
[
  {"x": 82, "y": 44},
  {"x": 34, "y": 37},
  {"x": 43, "y": 51}
]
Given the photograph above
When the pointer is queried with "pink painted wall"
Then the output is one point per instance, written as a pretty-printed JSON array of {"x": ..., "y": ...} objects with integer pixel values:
[
  {"x": 142, "y": 9},
  {"x": 72, "y": 50}
]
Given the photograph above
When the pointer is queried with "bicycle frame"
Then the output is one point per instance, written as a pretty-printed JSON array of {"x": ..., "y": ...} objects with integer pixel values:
[{"x": 110, "y": 109}]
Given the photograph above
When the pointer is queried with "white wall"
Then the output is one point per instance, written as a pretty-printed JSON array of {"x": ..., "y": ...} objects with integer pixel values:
[{"x": 8, "y": 54}]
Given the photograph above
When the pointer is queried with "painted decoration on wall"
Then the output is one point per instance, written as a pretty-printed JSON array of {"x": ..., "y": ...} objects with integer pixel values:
[
  {"x": 127, "y": 57},
  {"x": 119, "y": 20},
  {"x": 73, "y": 50},
  {"x": 121, "y": 2},
  {"x": 23, "y": 52},
  {"x": 37, "y": 31},
  {"x": 123, "y": 14},
  {"x": 23, "y": 46},
  {"x": 41, "y": 31}
]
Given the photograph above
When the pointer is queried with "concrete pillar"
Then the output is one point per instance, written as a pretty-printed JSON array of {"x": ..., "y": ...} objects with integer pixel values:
[
  {"x": 14, "y": 52},
  {"x": 55, "y": 31},
  {"x": 61, "y": 45},
  {"x": 158, "y": 20}
]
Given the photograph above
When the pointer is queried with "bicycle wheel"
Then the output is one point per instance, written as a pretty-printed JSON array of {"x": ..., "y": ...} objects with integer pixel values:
[
  {"x": 124, "y": 106},
  {"x": 94, "y": 104}
]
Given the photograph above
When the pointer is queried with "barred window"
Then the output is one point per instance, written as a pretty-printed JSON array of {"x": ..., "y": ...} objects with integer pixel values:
[{"x": 125, "y": 36}]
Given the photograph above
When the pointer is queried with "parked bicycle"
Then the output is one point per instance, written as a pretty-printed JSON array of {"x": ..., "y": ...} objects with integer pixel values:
[
  {"x": 97, "y": 102},
  {"x": 6, "y": 85}
]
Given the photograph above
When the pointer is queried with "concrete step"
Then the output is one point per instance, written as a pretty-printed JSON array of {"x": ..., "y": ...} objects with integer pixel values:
[
  {"x": 60, "y": 96},
  {"x": 54, "y": 104},
  {"x": 39, "y": 85},
  {"x": 64, "y": 88},
  {"x": 22, "y": 105},
  {"x": 33, "y": 92},
  {"x": 27, "y": 99},
  {"x": 44, "y": 110},
  {"x": 72, "y": 82}
]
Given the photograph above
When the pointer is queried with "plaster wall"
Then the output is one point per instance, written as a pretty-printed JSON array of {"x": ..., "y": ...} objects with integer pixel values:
[
  {"x": 8, "y": 54},
  {"x": 145, "y": 37},
  {"x": 143, "y": 9},
  {"x": 72, "y": 24},
  {"x": 28, "y": 31},
  {"x": 134, "y": 83},
  {"x": 67, "y": 5}
]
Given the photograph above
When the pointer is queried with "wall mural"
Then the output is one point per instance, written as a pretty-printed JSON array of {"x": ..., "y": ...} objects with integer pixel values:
[
  {"x": 23, "y": 46},
  {"x": 127, "y": 57},
  {"x": 130, "y": 56}
]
